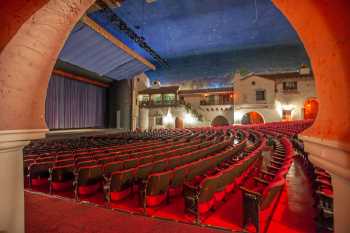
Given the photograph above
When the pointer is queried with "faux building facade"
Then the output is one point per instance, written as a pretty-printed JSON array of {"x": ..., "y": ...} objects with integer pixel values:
[
  {"x": 275, "y": 97},
  {"x": 251, "y": 98}
]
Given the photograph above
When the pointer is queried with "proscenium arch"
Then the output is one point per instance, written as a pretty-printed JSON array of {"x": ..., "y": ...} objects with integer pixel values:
[
  {"x": 30, "y": 47},
  {"x": 219, "y": 121}
]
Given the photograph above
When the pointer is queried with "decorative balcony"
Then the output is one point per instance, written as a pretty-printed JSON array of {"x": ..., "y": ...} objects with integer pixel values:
[
  {"x": 216, "y": 102},
  {"x": 160, "y": 104}
]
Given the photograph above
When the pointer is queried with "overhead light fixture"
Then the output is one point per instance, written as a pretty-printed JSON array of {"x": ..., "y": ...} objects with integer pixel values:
[{"x": 122, "y": 26}]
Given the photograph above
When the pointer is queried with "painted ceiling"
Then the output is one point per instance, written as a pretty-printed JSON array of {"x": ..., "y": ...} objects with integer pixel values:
[{"x": 207, "y": 38}]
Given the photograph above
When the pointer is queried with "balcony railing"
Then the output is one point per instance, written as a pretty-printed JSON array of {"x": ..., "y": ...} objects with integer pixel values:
[
  {"x": 216, "y": 102},
  {"x": 164, "y": 103}
]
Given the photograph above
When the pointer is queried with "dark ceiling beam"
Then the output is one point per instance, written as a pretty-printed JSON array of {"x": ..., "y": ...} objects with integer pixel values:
[
  {"x": 116, "y": 21},
  {"x": 110, "y": 3},
  {"x": 104, "y": 33},
  {"x": 72, "y": 76}
]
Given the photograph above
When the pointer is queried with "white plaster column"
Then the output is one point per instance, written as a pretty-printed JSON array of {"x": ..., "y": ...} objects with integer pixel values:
[
  {"x": 144, "y": 118},
  {"x": 334, "y": 157},
  {"x": 11, "y": 177}
]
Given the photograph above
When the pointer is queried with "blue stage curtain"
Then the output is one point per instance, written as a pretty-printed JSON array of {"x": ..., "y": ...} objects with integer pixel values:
[{"x": 74, "y": 104}]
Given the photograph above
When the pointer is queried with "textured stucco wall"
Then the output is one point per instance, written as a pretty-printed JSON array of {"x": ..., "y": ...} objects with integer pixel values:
[
  {"x": 27, "y": 60},
  {"x": 276, "y": 98},
  {"x": 245, "y": 89},
  {"x": 323, "y": 27}
]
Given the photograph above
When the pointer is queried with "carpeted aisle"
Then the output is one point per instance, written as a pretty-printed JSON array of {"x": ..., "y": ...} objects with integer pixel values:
[{"x": 52, "y": 215}]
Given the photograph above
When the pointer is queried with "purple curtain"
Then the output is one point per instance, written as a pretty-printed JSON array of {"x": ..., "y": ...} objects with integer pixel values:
[{"x": 74, "y": 104}]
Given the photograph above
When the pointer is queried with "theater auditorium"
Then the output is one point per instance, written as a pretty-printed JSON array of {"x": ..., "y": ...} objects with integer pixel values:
[{"x": 169, "y": 116}]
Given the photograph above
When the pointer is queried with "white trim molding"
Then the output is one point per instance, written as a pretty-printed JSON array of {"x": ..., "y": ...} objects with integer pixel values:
[
  {"x": 13, "y": 139},
  {"x": 330, "y": 155}
]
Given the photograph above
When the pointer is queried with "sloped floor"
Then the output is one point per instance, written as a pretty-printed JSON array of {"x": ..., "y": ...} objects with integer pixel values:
[
  {"x": 54, "y": 215},
  {"x": 44, "y": 213}
]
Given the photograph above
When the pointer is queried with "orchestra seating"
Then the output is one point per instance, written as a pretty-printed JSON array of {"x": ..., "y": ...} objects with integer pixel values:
[{"x": 205, "y": 167}]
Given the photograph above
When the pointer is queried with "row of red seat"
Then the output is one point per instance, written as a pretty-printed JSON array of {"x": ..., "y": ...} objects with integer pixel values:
[
  {"x": 203, "y": 194},
  {"x": 122, "y": 182},
  {"x": 206, "y": 166},
  {"x": 261, "y": 191},
  {"x": 288, "y": 129},
  {"x": 322, "y": 189},
  {"x": 38, "y": 172}
]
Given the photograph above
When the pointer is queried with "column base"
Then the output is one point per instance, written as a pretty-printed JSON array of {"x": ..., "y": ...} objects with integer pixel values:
[
  {"x": 335, "y": 158},
  {"x": 11, "y": 177}
]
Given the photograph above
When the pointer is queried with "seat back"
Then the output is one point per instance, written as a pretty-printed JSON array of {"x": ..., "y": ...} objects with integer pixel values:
[
  {"x": 111, "y": 167},
  {"x": 208, "y": 187},
  {"x": 90, "y": 174},
  {"x": 158, "y": 183},
  {"x": 174, "y": 162},
  {"x": 227, "y": 177},
  {"x": 87, "y": 163},
  {"x": 179, "y": 176},
  {"x": 40, "y": 169},
  {"x": 146, "y": 159},
  {"x": 63, "y": 173},
  {"x": 64, "y": 162},
  {"x": 143, "y": 171},
  {"x": 130, "y": 163},
  {"x": 160, "y": 166},
  {"x": 271, "y": 192},
  {"x": 122, "y": 180},
  {"x": 105, "y": 160}
]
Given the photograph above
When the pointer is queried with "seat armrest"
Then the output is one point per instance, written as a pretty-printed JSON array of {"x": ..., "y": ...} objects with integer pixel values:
[
  {"x": 190, "y": 186},
  {"x": 324, "y": 194},
  {"x": 324, "y": 183},
  {"x": 267, "y": 173},
  {"x": 273, "y": 167},
  {"x": 278, "y": 163},
  {"x": 246, "y": 190},
  {"x": 275, "y": 157},
  {"x": 260, "y": 180}
]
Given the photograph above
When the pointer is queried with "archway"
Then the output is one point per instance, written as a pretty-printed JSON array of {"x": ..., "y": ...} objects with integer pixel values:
[
  {"x": 252, "y": 118},
  {"x": 310, "y": 109},
  {"x": 27, "y": 59},
  {"x": 219, "y": 121}
]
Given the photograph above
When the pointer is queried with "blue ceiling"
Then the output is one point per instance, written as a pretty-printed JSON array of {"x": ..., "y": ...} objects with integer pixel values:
[{"x": 202, "y": 38}]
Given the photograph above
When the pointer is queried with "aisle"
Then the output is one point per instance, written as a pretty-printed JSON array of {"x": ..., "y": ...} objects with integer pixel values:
[{"x": 295, "y": 212}]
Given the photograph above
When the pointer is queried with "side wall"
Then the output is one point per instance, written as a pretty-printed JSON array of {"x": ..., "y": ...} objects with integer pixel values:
[{"x": 119, "y": 104}]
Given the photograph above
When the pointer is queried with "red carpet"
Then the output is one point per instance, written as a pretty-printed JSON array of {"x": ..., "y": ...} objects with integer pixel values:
[
  {"x": 294, "y": 213},
  {"x": 52, "y": 215}
]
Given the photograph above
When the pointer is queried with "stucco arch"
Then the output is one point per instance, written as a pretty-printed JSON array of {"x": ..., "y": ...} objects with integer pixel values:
[
  {"x": 257, "y": 118},
  {"x": 219, "y": 121}
]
